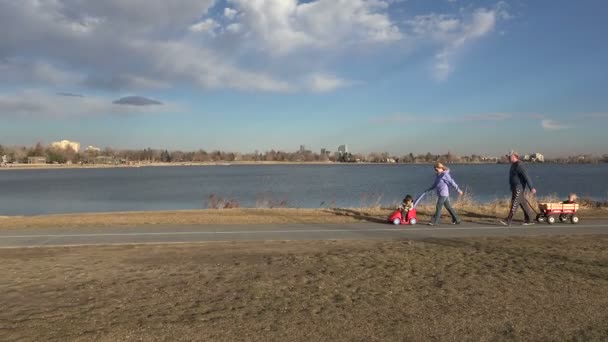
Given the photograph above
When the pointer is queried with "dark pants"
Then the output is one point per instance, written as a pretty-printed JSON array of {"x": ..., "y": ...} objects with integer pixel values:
[
  {"x": 518, "y": 199},
  {"x": 441, "y": 202}
]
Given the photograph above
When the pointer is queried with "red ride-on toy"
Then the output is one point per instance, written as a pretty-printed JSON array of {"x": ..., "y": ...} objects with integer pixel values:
[
  {"x": 565, "y": 211},
  {"x": 410, "y": 218},
  {"x": 397, "y": 217}
]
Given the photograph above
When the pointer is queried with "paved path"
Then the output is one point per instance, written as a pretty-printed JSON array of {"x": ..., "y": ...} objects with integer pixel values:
[{"x": 41, "y": 237}]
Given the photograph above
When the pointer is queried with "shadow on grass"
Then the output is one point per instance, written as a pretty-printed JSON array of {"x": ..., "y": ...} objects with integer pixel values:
[
  {"x": 473, "y": 214},
  {"x": 356, "y": 214}
]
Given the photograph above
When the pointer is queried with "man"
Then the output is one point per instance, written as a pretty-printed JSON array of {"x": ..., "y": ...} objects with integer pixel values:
[{"x": 519, "y": 180}]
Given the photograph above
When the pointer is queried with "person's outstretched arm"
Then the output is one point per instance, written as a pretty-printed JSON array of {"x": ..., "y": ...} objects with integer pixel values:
[
  {"x": 435, "y": 182},
  {"x": 452, "y": 183}
]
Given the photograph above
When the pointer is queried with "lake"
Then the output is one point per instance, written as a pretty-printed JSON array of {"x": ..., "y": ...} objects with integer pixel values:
[{"x": 53, "y": 191}]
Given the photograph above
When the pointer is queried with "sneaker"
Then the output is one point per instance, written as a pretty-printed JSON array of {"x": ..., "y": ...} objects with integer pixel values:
[
  {"x": 455, "y": 222},
  {"x": 504, "y": 223},
  {"x": 430, "y": 224},
  {"x": 527, "y": 223}
]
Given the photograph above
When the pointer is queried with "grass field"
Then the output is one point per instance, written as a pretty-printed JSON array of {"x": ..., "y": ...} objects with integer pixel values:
[
  {"x": 510, "y": 289},
  {"x": 482, "y": 289}
]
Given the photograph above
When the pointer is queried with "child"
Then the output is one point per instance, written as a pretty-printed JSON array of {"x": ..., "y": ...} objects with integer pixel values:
[
  {"x": 408, "y": 203},
  {"x": 571, "y": 199}
]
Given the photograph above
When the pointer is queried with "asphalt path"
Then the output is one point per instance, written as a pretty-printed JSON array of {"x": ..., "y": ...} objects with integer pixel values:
[{"x": 55, "y": 237}]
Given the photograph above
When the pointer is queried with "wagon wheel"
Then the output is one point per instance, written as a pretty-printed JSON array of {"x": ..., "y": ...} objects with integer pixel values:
[
  {"x": 574, "y": 219},
  {"x": 563, "y": 218},
  {"x": 551, "y": 219},
  {"x": 540, "y": 218}
]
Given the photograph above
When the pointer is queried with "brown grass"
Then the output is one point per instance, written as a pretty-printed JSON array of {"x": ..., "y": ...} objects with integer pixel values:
[
  {"x": 468, "y": 212},
  {"x": 218, "y": 202},
  {"x": 514, "y": 289}
]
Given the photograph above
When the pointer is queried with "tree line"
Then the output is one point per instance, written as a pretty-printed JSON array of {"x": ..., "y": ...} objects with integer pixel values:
[{"x": 21, "y": 154}]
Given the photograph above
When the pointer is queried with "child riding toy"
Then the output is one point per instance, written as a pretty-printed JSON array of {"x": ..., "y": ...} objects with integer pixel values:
[
  {"x": 406, "y": 213},
  {"x": 398, "y": 217},
  {"x": 566, "y": 209}
]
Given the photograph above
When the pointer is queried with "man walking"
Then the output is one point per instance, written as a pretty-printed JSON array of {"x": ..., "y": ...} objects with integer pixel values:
[{"x": 519, "y": 180}]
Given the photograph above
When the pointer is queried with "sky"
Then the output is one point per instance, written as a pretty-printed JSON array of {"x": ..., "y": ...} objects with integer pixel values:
[{"x": 398, "y": 76}]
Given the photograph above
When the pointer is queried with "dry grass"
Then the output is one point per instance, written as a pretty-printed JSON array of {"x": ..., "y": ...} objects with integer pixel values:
[
  {"x": 468, "y": 212},
  {"x": 185, "y": 217},
  {"x": 515, "y": 289}
]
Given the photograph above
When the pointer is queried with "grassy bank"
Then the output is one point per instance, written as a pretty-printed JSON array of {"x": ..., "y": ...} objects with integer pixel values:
[
  {"x": 469, "y": 213},
  {"x": 515, "y": 289}
]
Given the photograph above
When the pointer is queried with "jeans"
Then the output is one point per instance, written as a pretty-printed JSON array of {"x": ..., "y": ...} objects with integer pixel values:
[{"x": 441, "y": 202}]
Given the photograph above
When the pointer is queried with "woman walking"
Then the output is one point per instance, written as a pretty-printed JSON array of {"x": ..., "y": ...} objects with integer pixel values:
[{"x": 443, "y": 181}]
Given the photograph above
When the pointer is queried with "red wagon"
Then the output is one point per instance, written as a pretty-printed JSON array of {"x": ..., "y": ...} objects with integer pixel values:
[{"x": 549, "y": 212}]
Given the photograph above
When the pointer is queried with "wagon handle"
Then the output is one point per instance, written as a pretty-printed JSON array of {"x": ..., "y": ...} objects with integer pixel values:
[{"x": 530, "y": 205}]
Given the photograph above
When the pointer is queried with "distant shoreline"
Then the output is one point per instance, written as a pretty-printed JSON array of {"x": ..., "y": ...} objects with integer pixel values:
[{"x": 117, "y": 166}]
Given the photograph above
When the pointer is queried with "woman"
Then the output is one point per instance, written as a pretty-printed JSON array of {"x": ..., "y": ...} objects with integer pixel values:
[{"x": 441, "y": 185}]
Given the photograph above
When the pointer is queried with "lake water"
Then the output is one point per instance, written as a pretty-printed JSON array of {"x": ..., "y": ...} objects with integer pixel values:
[{"x": 33, "y": 192}]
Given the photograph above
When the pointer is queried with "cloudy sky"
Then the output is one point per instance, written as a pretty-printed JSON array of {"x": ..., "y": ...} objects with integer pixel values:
[{"x": 243, "y": 75}]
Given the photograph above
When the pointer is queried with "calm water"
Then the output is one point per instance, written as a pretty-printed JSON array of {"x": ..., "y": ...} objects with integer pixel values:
[{"x": 31, "y": 192}]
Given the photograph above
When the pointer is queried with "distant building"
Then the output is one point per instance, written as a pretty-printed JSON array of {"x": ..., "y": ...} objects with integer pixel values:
[
  {"x": 537, "y": 157},
  {"x": 36, "y": 160},
  {"x": 64, "y": 144},
  {"x": 4, "y": 159},
  {"x": 325, "y": 152},
  {"x": 92, "y": 149},
  {"x": 343, "y": 155},
  {"x": 302, "y": 148}
]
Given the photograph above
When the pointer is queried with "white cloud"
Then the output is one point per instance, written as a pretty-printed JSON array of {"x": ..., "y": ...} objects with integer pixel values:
[
  {"x": 483, "y": 22},
  {"x": 453, "y": 33},
  {"x": 207, "y": 25},
  {"x": 285, "y": 26},
  {"x": 259, "y": 45},
  {"x": 234, "y": 28},
  {"x": 325, "y": 83},
  {"x": 552, "y": 125},
  {"x": 203, "y": 68},
  {"x": 230, "y": 13},
  {"x": 502, "y": 11},
  {"x": 121, "y": 49}
]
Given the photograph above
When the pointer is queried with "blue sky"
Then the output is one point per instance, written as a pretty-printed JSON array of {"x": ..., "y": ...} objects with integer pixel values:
[{"x": 243, "y": 75}]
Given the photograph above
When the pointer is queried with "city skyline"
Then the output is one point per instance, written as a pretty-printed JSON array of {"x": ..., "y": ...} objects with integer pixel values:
[
  {"x": 392, "y": 76},
  {"x": 302, "y": 149}
]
